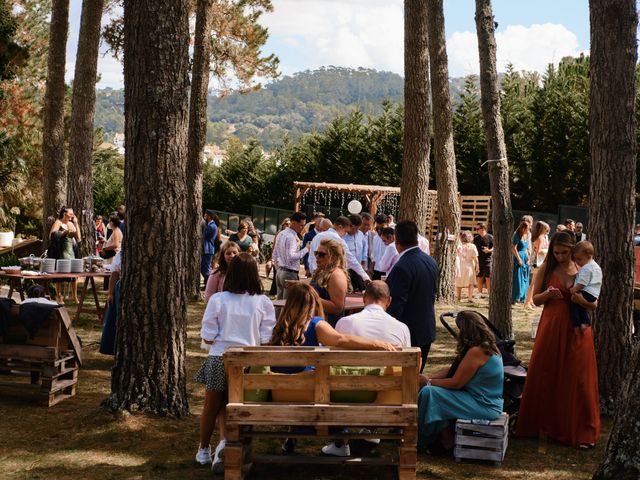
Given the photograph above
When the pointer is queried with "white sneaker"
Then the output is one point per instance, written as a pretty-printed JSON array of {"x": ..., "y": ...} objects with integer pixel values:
[
  {"x": 335, "y": 451},
  {"x": 217, "y": 464},
  {"x": 375, "y": 441},
  {"x": 203, "y": 457}
]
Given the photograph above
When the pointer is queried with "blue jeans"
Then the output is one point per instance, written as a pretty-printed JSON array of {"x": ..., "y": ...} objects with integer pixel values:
[{"x": 205, "y": 266}]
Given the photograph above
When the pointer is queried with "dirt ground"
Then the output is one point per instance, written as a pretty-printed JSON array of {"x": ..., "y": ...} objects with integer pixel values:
[{"x": 76, "y": 440}]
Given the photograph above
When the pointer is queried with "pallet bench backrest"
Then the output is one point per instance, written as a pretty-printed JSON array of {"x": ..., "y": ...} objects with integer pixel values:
[{"x": 321, "y": 382}]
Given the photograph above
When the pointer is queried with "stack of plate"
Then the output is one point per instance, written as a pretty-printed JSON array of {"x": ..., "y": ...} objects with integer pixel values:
[
  {"x": 49, "y": 265},
  {"x": 77, "y": 265},
  {"x": 63, "y": 265}
]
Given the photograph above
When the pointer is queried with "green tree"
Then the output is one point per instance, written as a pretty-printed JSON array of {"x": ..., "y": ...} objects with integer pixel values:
[
  {"x": 518, "y": 93},
  {"x": 12, "y": 54},
  {"x": 108, "y": 181},
  {"x": 469, "y": 143},
  {"x": 560, "y": 166}
]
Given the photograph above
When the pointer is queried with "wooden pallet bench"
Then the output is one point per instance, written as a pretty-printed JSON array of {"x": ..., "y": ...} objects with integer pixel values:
[
  {"x": 45, "y": 366},
  {"x": 249, "y": 419}
]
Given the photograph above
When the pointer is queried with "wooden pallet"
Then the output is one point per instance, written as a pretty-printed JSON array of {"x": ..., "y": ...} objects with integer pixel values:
[
  {"x": 43, "y": 366},
  {"x": 397, "y": 419},
  {"x": 476, "y": 440},
  {"x": 473, "y": 209}
]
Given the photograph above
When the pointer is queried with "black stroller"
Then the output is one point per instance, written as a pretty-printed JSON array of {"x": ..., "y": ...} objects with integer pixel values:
[{"x": 515, "y": 373}]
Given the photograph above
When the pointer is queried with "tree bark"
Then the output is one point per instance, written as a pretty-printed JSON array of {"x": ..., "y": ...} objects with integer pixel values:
[
  {"x": 612, "y": 139},
  {"x": 150, "y": 363},
  {"x": 414, "y": 183},
  {"x": 53, "y": 182},
  {"x": 501, "y": 214},
  {"x": 83, "y": 103},
  {"x": 197, "y": 137},
  {"x": 446, "y": 180}
]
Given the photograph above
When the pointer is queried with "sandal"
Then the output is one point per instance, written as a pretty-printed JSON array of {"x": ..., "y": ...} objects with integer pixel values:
[{"x": 587, "y": 446}]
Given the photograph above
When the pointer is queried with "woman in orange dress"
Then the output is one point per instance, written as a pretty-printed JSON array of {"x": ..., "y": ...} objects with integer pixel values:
[{"x": 560, "y": 399}]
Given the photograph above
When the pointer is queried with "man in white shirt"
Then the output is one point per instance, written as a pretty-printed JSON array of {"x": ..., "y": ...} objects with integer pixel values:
[
  {"x": 289, "y": 254},
  {"x": 390, "y": 255},
  {"x": 369, "y": 233},
  {"x": 373, "y": 321},
  {"x": 336, "y": 231},
  {"x": 377, "y": 246},
  {"x": 357, "y": 244}
]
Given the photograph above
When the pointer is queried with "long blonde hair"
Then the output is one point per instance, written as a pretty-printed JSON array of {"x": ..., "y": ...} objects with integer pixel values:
[
  {"x": 336, "y": 260},
  {"x": 303, "y": 302}
]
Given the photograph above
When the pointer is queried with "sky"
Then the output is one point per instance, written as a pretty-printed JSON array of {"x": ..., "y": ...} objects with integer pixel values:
[{"x": 308, "y": 34}]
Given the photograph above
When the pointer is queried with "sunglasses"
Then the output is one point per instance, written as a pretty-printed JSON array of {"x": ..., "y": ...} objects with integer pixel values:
[{"x": 320, "y": 254}]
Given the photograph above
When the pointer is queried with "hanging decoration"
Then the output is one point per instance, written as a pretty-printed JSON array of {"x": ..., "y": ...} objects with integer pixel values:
[{"x": 354, "y": 207}]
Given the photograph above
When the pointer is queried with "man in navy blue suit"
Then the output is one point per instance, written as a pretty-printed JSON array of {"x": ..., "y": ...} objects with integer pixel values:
[
  {"x": 209, "y": 234},
  {"x": 412, "y": 282}
]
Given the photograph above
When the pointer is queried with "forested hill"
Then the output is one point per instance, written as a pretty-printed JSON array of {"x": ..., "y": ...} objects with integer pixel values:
[{"x": 292, "y": 105}]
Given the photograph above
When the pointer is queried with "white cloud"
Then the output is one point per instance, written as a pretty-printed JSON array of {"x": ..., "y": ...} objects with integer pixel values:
[
  {"x": 369, "y": 33},
  {"x": 358, "y": 33},
  {"x": 527, "y": 48},
  {"x": 307, "y": 34}
]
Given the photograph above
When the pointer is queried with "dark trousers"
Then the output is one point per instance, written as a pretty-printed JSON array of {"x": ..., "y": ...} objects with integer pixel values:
[
  {"x": 205, "y": 266},
  {"x": 274, "y": 286},
  {"x": 356, "y": 281},
  {"x": 579, "y": 315},
  {"x": 377, "y": 275},
  {"x": 424, "y": 353}
]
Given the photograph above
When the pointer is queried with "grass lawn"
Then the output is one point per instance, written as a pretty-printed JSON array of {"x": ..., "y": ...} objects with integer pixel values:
[{"x": 75, "y": 440}]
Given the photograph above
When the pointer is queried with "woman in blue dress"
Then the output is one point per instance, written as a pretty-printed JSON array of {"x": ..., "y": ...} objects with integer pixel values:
[
  {"x": 521, "y": 268},
  {"x": 472, "y": 392}
]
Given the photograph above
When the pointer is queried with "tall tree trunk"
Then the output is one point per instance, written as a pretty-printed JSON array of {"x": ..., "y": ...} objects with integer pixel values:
[
  {"x": 150, "y": 363},
  {"x": 621, "y": 460},
  {"x": 83, "y": 103},
  {"x": 446, "y": 180},
  {"x": 415, "y": 158},
  {"x": 612, "y": 138},
  {"x": 501, "y": 214},
  {"x": 53, "y": 182},
  {"x": 197, "y": 138}
]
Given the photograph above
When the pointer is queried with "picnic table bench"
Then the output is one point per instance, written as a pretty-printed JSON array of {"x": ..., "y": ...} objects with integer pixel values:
[{"x": 396, "y": 417}]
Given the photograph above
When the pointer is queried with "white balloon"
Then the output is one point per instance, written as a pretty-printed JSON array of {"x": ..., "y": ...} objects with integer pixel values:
[{"x": 354, "y": 206}]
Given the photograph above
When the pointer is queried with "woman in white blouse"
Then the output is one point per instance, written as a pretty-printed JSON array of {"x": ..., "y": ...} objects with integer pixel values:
[{"x": 238, "y": 316}]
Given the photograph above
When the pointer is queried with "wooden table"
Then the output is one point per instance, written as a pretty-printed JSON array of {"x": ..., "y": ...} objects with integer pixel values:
[
  {"x": 15, "y": 283},
  {"x": 353, "y": 303}
]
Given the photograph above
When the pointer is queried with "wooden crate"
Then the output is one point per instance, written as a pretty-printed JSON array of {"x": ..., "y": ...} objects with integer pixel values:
[
  {"x": 44, "y": 366},
  {"x": 477, "y": 440}
]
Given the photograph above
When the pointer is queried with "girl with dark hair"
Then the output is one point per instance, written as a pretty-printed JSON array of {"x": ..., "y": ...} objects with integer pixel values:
[
  {"x": 474, "y": 391},
  {"x": 238, "y": 316},
  {"x": 241, "y": 237},
  {"x": 64, "y": 235},
  {"x": 521, "y": 269},
  {"x": 560, "y": 399},
  {"x": 114, "y": 243}
]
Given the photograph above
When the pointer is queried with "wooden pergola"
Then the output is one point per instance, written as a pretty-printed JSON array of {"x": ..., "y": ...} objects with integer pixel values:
[
  {"x": 474, "y": 208},
  {"x": 373, "y": 193}
]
